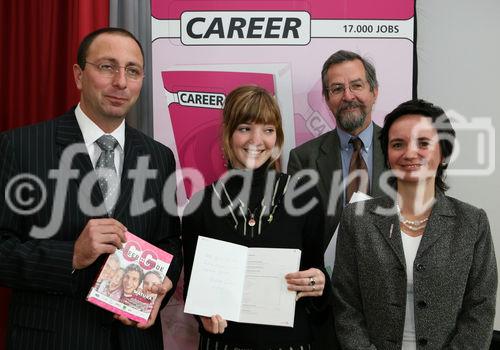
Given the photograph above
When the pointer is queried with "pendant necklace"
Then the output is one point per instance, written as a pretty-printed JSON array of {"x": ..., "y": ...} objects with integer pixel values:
[
  {"x": 251, "y": 217},
  {"x": 251, "y": 220}
]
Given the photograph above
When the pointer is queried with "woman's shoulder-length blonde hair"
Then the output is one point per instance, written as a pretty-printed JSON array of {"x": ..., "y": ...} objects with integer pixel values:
[{"x": 251, "y": 104}]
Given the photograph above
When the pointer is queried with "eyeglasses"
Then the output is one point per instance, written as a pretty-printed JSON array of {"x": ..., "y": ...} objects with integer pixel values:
[
  {"x": 354, "y": 86},
  {"x": 108, "y": 69}
]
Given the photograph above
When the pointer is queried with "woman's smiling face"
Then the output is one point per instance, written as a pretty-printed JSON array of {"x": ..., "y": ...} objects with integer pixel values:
[
  {"x": 252, "y": 145},
  {"x": 413, "y": 151}
]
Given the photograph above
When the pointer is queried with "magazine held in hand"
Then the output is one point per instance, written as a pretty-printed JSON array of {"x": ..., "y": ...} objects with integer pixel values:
[{"x": 122, "y": 285}]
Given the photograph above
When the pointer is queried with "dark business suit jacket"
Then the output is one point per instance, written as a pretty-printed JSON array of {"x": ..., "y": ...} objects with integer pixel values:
[
  {"x": 323, "y": 155},
  {"x": 48, "y": 308},
  {"x": 454, "y": 276}
]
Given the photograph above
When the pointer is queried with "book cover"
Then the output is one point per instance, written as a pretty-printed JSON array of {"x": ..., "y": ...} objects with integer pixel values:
[{"x": 121, "y": 286}]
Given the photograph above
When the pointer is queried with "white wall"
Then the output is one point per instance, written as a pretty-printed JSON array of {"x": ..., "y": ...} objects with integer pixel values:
[{"x": 458, "y": 49}]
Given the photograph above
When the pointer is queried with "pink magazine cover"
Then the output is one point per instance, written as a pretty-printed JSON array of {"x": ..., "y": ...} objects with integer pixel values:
[
  {"x": 195, "y": 102},
  {"x": 120, "y": 286}
]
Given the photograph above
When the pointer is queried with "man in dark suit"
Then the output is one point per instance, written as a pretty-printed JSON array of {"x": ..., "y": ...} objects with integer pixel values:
[
  {"x": 350, "y": 89},
  {"x": 60, "y": 217}
]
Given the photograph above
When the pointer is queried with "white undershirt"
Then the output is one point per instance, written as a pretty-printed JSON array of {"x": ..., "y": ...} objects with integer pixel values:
[{"x": 410, "y": 247}]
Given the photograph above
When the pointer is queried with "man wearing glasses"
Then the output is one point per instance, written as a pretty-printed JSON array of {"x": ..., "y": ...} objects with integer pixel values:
[
  {"x": 348, "y": 158},
  {"x": 51, "y": 256}
]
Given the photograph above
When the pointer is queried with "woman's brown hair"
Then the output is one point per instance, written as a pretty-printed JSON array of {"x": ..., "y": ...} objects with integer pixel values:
[{"x": 251, "y": 104}]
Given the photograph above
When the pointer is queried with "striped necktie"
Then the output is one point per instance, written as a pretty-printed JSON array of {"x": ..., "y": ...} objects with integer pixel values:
[{"x": 358, "y": 171}]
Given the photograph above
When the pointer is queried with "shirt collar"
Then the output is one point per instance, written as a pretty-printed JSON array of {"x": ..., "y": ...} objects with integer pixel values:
[
  {"x": 366, "y": 136},
  {"x": 91, "y": 132}
]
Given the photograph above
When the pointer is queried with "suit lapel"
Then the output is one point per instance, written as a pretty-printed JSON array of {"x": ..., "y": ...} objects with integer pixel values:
[
  {"x": 68, "y": 133},
  {"x": 378, "y": 163},
  {"x": 134, "y": 148},
  {"x": 440, "y": 223},
  {"x": 388, "y": 226},
  {"x": 328, "y": 162}
]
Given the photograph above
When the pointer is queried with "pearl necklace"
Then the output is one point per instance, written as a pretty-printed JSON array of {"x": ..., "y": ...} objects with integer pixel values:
[{"x": 414, "y": 225}]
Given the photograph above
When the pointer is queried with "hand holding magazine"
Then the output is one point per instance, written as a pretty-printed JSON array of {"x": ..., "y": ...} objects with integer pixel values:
[{"x": 123, "y": 284}]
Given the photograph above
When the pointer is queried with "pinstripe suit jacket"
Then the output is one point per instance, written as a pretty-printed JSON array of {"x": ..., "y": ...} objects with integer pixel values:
[
  {"x": 454, "y": 278},
  {"x": 48, "y": 308}
]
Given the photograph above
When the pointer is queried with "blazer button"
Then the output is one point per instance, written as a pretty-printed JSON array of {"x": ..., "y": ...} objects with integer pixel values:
[
  {"x": 420, "y": 267},
  {"x": 422, "y": 342},
  {"x": 422, "y": 304}
]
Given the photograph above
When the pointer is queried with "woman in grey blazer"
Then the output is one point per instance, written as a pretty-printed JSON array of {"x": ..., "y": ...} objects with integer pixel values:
[{"x": 415, "y": 269}]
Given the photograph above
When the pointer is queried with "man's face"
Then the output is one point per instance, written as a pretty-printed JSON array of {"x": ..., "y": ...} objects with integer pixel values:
[
  {"x": 351, "y": 109},
  {"x": 105, "y": 98},
  {"x": 131, "y": 281}
]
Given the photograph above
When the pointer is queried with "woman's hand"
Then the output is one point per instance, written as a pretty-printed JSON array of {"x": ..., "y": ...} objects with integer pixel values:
[
  {"x": 308, "y": 283},
  {"x": 214, "y": 324}
]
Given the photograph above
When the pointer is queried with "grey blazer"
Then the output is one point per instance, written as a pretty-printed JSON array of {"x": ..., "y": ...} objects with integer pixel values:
[
  {"x": 455, "y": 278},
  {"x": 323, "y": 155}
]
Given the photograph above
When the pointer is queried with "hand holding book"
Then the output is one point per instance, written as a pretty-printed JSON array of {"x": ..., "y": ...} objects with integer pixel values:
[
  {"x": 99, "y": 236},
  {"x": 133, "y": 282},
  {"x": 215, "y": 324},
  {"x": 307, "y": 283}
]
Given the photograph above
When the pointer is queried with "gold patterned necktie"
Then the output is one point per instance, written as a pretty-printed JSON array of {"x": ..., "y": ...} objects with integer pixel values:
[{"x": 357, "y": 168}]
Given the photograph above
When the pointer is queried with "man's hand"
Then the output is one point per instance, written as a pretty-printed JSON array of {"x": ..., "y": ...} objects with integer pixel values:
[
  {"x": 161, "y": 290},
  {"x": 100, "y": 236}
]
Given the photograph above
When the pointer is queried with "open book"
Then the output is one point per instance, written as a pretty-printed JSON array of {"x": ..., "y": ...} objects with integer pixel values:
[{"x": 242, "y": 284}]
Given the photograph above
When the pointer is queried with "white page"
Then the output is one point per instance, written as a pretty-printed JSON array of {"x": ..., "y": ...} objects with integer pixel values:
[
  {"x": 331, "y": 248},
  {"x": 266, "y": 299},
  {"x": 222, "y": 284},
  {"x": 217, "y": 279}
]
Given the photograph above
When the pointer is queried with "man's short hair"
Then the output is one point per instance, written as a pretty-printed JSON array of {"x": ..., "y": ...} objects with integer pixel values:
[{"x": 89, "y": 39}]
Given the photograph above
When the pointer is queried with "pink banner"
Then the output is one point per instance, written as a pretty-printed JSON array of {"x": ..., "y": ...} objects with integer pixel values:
[
  {"x": 318, "y": 9},
  {"x": 204, "y": 49}
]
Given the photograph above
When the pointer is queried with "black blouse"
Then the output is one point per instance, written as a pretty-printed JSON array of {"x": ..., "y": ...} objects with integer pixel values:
[{"x": 275, "y": 227}]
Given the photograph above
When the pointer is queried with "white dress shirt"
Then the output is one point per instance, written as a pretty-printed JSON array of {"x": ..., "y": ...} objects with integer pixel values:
[{"x": 91, "y": 132}]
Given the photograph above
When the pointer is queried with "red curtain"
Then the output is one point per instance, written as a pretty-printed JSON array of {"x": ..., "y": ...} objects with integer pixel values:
[{"x": 39, "y": 40}]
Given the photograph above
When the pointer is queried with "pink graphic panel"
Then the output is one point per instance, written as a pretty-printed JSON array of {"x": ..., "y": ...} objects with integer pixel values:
[{"x": 318, "y": 9}]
